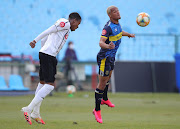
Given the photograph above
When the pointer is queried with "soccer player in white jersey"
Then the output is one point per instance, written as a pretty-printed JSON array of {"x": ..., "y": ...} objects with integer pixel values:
[{"x": 52, "y": 42}]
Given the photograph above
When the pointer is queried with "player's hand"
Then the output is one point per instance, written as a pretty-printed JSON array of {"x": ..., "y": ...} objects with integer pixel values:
[
  {"x": 131, "y": 35},
  {"x": 111, "y": 45},
  {"x": 32, "y": 44}
]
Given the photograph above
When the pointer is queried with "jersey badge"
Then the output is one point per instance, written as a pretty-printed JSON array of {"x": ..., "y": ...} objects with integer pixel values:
[
  {"x": 66, "y": 36},
  {"x": 62, "y": 24},
  {"x": 104, "y": 32}
]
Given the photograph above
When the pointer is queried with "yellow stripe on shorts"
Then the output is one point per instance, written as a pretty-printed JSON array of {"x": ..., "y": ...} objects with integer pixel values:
[{"x": 102, "y": 66}]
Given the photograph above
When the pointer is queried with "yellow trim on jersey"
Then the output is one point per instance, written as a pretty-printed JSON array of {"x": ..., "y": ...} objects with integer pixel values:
[
  {"x": 116, "y": 37},
  {"x": 104, "y": 37},
  {"x": 102, "y": 66}
]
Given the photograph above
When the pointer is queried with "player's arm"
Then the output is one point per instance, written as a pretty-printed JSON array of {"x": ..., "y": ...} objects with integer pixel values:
[
  {"x": 50, "y": 30},
  {"x": 58, "y": 26},
  {"x": 128, "y": 34},
  {"x": 103, "y": 45},
  {"x": 105, "y": 34}
]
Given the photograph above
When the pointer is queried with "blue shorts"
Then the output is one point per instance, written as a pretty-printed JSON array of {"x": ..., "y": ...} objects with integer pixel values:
[{"x": 105, "y": 65}]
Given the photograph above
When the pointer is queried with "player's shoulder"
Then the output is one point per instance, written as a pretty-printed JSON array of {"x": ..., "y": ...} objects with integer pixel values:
[
  {"x": 62, "y": 22},
  {"x": 107, "y": 26}
]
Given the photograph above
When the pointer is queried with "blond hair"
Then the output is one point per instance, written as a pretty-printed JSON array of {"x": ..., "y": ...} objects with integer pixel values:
[{"x": 109, "y": 9}]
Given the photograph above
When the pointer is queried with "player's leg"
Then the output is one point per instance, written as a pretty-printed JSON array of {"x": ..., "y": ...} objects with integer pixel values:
[
  {"x": 41, "y": 94},
  {"x": 26, "y": 110},
  {"x": 36, "y": 111},
  {"x": 48, "y": 65},
  {"x": 105, "y": 99},
  {"x": 103, "y": 78},
  {"x": 98, "y": 97},
  {"x": 49, "y": 78},
  {"x": 104, "y": 70},
  {"x": 99, "y": 91}
]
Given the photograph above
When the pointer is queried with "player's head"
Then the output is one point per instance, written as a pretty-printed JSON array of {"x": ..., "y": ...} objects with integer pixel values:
[
  {"x": 75, "y": 20},
  {"x": 113, "y": 13}
]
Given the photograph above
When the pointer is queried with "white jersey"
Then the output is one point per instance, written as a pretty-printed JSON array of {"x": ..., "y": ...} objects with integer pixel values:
[{"x": 54, "y": 37}]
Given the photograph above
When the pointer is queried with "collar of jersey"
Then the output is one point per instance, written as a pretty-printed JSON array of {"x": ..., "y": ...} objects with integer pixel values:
[{"x": 114, "y": 23}]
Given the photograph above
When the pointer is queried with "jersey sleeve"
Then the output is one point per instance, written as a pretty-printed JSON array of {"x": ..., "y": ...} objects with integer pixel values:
[
  {"x": 43, "y": 40},
  {"x": 50, "y": 30},
  {"x": 62, "y": 25},
  {"x": 106, "y": 32}
]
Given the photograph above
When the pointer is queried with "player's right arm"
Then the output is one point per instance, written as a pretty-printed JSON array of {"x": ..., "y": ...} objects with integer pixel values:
[
  {"x": 103, "y": 45},
  {"x": 105, "y": 34},
  {"x": 50, "y": 30}
]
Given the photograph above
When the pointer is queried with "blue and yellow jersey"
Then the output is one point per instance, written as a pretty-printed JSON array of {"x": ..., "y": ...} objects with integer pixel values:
[{"x": 112, "y": 32}]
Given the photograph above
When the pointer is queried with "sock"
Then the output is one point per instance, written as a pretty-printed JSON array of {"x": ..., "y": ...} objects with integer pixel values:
[
  {"x": 105, "y": 97},
  {"x": 39, "y": 87},
  {"x": 41, "y": 94},
  {"x": 36, "y": 109},
  {"x": 98, "y": 97}
]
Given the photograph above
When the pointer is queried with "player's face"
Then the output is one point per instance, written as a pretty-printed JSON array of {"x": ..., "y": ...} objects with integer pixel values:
[
  {"x": 115, "y": 14},
  {"x": 75, "y": 24}
]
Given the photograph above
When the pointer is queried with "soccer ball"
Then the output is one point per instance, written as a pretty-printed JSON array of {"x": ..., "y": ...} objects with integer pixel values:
[
  {"x": 143, "y": 19},
  {"x": 70, "y": 89}
]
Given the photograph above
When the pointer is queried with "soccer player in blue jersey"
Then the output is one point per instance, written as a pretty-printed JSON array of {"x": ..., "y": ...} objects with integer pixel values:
[{"x": 109, "y": 43}]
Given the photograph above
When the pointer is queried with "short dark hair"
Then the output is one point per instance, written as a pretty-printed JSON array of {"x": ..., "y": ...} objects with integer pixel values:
[{"x": 75, "y": 15}]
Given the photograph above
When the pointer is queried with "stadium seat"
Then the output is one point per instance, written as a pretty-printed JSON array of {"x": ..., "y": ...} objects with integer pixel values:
[
  {"x": 88, "y": 34},
  {"x": 3, "y": 86},
  {"x": 16, "y": 83}
]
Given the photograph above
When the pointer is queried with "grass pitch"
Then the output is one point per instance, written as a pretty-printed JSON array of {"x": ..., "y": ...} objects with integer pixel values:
[{"x": 132, "y": 111}]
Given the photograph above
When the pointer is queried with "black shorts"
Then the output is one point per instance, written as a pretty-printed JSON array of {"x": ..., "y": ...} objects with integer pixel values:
[
  {"x": 47, "y": 69},
  {"x": 105, "y": 65}
]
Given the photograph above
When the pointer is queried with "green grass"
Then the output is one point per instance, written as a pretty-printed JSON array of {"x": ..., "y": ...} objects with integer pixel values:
[{"x": 132, "y": 111}]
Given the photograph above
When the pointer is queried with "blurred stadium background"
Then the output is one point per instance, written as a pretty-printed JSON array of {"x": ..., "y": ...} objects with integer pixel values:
[
  {"x": 148, "y": 63},
  {"x": 159, "y": 42}
]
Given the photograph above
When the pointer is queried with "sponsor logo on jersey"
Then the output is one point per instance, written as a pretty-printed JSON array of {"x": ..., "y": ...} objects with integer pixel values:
[
  {"x": 115, "y": 29},
  {"x": 104, "y": 32},
  {"x": 62, "y": 24},
  {"x": 66, "y": 36}
]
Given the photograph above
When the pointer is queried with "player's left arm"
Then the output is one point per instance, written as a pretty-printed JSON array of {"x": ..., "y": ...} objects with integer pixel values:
[{"x": 128, "y": 34}]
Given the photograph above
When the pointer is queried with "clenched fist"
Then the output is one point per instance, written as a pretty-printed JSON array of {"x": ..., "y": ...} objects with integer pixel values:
[
  {"x": 32, "y": 44},
  {"x": 111, "y": 45}
]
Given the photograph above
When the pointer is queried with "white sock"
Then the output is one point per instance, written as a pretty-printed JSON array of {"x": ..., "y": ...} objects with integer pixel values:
[
  {"x": 41, "y": 94},
  {"x": 38, "y": 87},
  {"x": 36, "y": 109}
]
